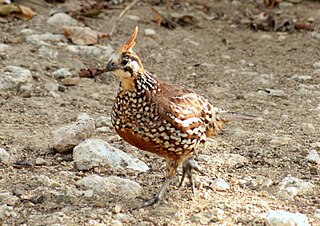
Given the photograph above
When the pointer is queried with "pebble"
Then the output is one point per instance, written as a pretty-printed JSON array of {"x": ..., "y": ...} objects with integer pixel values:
[
  {"x": 4, "y": 155},
  {"x": 290, "y": 186},
  {"x": 48, "y": 53},
  {"x": 6, "y": 211},
  {"x": 83, "y": 116},
  {"x": 103, "y": 121},
  {"x": 302, "y": 77},
  {"x": 124, "y": 188},
  {"x": 8, "y": 199},
  {"x": 3, "y": 48},
  {"x": 14, "y": 76},
  {"x": 266, "y": 37},
  {"x": 313, "y": 156},
  {"x": 123, "y": 217},
  {"x": 275, "y": 92},
  {"x": 67, "y": 137},
  {"x": 91, "y": 52},
  {"x": 220, "y": 185},
  {"x": 188, "y": 40},
  {"x": 149, "y": 32},
  {"x": 284, "y": 218},
  {"x": 308, "y": 128},
  {"x": 283, "y": 140},
  {"x": 42, "y": 180},
  {"x": 40, "y": 162},
  {"x": 62, "y": 73},
  {"x": 315, "y": 35},
  {"x": 45, "y": 39},
  {"x": 59, "y": 20},
  {"x": 316, "y": 65},
  {"x": 71, "y": 81},
  {"x": 133, "y": 17},
  {"x": 95, "y": 152},
  {"x": 51, "y": 86},
  {"x": 317, "y": 213}
]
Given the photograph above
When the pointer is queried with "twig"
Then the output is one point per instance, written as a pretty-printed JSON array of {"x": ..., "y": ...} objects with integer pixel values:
[{"x": 124, "y": 11}]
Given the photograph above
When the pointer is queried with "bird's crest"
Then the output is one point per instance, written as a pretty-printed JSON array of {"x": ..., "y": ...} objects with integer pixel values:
[{"x": 131, "y": 42}]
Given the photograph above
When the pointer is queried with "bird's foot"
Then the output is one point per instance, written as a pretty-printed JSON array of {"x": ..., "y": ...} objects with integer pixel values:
[{"x": 187, "y": 167}]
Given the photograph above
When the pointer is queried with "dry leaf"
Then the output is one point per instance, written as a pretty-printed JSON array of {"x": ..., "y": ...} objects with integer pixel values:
[
  {"x": 21, "y": 12},
  {"x": 83, "y": 35}
]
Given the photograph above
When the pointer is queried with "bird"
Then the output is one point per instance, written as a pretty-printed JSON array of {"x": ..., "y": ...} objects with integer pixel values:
[{"x": 168, "y": 120}]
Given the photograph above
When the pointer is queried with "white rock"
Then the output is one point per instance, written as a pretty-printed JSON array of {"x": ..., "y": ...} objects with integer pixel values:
[
  {"x": 133, "y": 17},
  {"x": 47, "y": 53},
  {"x": 124, "y": 188},
  {"x": 95, "y": 152},
  {"x": 149, "y": 32},
  {"x": 266, "y": 37},
  {"x": 45, "y": 39},
  {"x": 316, "y": 65},
  {"x": 67, "y": 137},
  {"x": 313, "y": 156},
  {"x": 220, "y": 184},
  {"x": 103, "y": 121},
  {"x": 280, "y": 140},
  {"x": 40, "y": 162},
  {"x": 60, "y": 20},
  {"x": 27, "y": 31},
  {"x": 3, "y": 48},
  {"x": 290, "y": 186},
  {"x": 9, "y": 199},
  {"x": 83, "y": 116},
  {"x": 308, "y": 128},
  {"x": 5, "y": 211},
  {"x": 61, "y": 73},
  {"x": 14, "y": 76},
  {"x": 317, "y": 213},
  {"x": 97, "y": 51},
  {"x": 275, "y": 92},
  {"x": 44, "y": 181},
  {"x": 302, "y": 77},
  {"x": 4, "y": 155},
  {"x": 284, "y": 218},
  {"x": 315, "y": 35}
]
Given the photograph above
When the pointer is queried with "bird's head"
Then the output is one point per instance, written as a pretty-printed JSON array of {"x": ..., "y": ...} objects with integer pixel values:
[{"x": 124, "y": 63}]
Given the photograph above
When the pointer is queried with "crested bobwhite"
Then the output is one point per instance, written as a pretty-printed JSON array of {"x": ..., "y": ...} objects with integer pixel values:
[{"x": 165, "y": 119}]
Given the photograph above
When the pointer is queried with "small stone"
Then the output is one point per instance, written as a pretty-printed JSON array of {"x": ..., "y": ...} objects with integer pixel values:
[
  {"x": 27, "y": 31},
  {"x": 103, "y": 121},
  {"x": 149, "y": 32},
  {"x": 316, "y": 146},
  {"x": 44, "y": 181},
  {"x": 60, "y": 20},
  {"x": 124, "y": 188},
  {"x": 83, "y": 116},
  {"x": 91, "y": 52},
  {"x": 133, "y": 17},
  {"x": 302, "y": 77},
  {"x": 308, "y": 128},
  {"x": 95, "y": 152},
  {"x": 40, "y": 162},
  {"x": 67, "y": 137},
  {"x": 282, "y": 38},
  {"x": 220, "y": 184},
  {"x": 283, "y": 140},
  {"x": 48, "y": 53},
  {"x": 4, "y": 155},
  {"x": 289, "y": 187},
  {"x": 125, "y": 218},
  {"x": 61, "y": 73},
  {"x": 14, "y": 76},
  {"x": 313, "y": 156},
  {"x": 8, "y": 199},
  {"x": 316, "y": 65},
  {"x": 117, "y": 209},
  {"x": 45, "y": 39},
  {"x": 218, "y": 214},
  {"x": 71, "y": 81},
  {"x": 6, "y": 211},
  {"x": 266, "y": 37},
  {"x": 191, "y": 41},
  {"x": 116, "y": 223},
  {"x": 103, "y": 130},
  {"x": 275, "y": 92},
  {"x": 3, "y": 49},
  {"x": 51, "y": 86},
  {"x": 284, "y": 218},
  {"x": 315, "y": 35},
  {"x": 317, "y": 213}
]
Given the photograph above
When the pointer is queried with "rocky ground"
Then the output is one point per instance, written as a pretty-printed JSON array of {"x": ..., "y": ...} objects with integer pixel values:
[{"x": 255, "y": 170}]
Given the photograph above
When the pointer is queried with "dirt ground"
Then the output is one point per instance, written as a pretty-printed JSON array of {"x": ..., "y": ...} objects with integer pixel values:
[{"x": 232, "y": 65}]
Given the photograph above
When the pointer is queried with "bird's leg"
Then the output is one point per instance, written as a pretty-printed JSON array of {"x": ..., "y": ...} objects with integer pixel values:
[
  {"x": 170, "y": 173},
  {"x": 187, "y": 167}
]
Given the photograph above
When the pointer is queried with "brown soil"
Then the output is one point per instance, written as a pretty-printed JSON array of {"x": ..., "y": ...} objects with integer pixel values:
[{"x": 229, "y": 63}]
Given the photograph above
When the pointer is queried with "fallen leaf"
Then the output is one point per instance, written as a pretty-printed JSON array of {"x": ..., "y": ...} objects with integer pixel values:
[
  {"x": 18, "y": 11},
  {"x": 91, "y": 72},
  {"x": 83, "y": 35}
]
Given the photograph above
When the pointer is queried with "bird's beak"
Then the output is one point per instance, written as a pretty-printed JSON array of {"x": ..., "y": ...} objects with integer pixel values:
[{"x": 111, "y": 66}]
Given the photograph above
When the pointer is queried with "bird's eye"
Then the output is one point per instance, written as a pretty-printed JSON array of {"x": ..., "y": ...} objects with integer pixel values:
[{"x": 124, "y": 61}]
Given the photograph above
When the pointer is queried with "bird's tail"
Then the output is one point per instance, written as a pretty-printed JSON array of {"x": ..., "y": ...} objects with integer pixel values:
[{"x": 234, "y": 116}]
